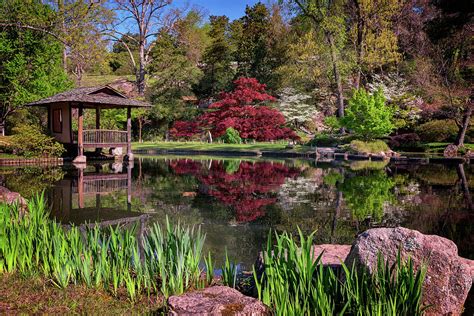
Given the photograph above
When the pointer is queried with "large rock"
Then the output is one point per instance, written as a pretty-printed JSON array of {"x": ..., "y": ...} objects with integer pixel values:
[
  {"x": 332, "y": 255},
  {"x": 448, "y": 277},
  {"x": 216, "y": 300},
  {"x": 11, "y": 197},
  {"x": 451, "y": 151}
]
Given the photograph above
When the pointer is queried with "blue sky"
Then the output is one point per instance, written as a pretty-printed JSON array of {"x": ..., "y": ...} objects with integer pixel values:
[{"x": 233, "y": 9}]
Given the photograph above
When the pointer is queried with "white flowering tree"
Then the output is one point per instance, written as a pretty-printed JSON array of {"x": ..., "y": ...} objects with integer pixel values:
[{"x": 295, "y": 107}]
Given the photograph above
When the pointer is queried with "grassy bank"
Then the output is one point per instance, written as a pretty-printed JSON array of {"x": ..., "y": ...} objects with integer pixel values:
[
  {"x": 26, "y": 295},
  {"x": 118, "y": 261},
  {"x": 197, "y": 146}
]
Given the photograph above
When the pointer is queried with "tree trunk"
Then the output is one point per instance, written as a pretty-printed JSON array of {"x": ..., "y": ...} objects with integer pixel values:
[
  {"x": 337, "y": 75},
  {"x": 463, "y": 127},
  {"x": 63, "y": 30},
  {"x": 140, "y": 75},
  {"x": 359, "y": 44},
  {"x": 2, "y": 128},
  {"x": 140, "y": 126}
]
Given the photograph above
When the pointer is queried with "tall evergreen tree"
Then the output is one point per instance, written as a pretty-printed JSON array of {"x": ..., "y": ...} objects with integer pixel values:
[
  {"x": 252, "y": 53},
  {"x": 217, "y": 59}
]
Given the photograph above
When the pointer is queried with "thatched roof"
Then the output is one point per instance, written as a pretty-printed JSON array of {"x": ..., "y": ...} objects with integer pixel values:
[{"x": 103, "y": 96}]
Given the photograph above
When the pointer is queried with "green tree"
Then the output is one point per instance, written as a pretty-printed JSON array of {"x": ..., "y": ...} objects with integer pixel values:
[
  {"x": 217, "y": 68},
  {"x": 373, "y": 33},
  {"x": 30, "y": 61},
  {"x": 252, "y": 53},
  {"x": 367, "y": 115},
  {"x": 174, "y": 78},
  {"x": 328, "y": 19}
]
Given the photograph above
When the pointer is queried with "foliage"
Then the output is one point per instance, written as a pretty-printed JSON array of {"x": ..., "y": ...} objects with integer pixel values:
[
  {"x": 367, "y": 193},
  {"x": 240, "y": 110},
  {"x": 107, "y": 259},
  {"x": 402, "y": 141},
  {"x": 231, "y": 136},
  {"x": 28, "y": 141},
  {"x": 440, "y": 131},
  {"x": 185, "y": 130},
  {"x": 295, "y": 282},
  {"x": 373, "y": 147},
  {"x": 217, "y": 70},
  {"x": 252, "y": 54},
  {"x": 367, "y": 115},
  {"x": 30, "y": 62}
]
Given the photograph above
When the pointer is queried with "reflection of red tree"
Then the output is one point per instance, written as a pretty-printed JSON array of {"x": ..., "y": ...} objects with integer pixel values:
[
  {"x": 247, "y": 190},
  {"x": 185, "y": 166}
]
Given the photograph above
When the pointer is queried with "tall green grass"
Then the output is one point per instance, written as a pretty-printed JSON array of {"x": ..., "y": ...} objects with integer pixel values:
[
  {"x": 113, "y": 258},
  {"x": 295, "y": 283}
]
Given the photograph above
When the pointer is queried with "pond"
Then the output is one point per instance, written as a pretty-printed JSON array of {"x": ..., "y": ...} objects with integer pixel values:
[{"x": 237, "y": 201}]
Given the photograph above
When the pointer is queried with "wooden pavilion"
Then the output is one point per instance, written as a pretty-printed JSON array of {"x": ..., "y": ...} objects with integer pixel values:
[{"x": 60, "y": 108}]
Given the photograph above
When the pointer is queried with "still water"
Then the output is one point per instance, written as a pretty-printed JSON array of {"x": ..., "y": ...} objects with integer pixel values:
[{"x": 236, "y": 201}]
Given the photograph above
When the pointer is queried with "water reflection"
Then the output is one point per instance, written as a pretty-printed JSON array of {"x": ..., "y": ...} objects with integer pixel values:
[{"x": 236, "y": 202}]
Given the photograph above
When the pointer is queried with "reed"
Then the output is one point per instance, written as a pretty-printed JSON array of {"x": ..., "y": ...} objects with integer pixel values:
[
  {"x": 229, "y": 272},
  {"x": 295, "y": 283},
  {"x": 165, "y": 260}
]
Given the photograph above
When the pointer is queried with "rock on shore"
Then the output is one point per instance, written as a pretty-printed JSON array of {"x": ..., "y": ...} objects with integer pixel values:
[
  {"x": 216, "y": 300},
  {"x": 448, "y": 277}
]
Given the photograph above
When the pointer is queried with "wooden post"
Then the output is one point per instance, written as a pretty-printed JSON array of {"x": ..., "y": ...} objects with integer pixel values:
[
  {"x": 97, "y": 118},
  {"x": 80, "y": 136},
  {"x": 97, "y": 126},
  {"x": 129, "y": 134}
]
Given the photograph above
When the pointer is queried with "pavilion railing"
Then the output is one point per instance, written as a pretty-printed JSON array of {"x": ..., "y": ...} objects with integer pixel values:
[{"x": 102, "y": 136}]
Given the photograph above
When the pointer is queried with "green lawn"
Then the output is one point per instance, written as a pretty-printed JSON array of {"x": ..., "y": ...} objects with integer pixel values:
[
  {"x": 217, "y": 147},
  {"x": 439, "y": 147},
  {"x": 100, "y": 80}
]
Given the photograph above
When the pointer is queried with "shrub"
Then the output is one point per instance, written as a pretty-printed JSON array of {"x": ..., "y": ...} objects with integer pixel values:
[
  {"x": 405, "y": 141},
  {"x": 441, "y": 131},
  {"x": 373, "y": 147},
  {"x": 368, "y": 116},
  {"x": 28, "y": 141},
  {"x": 231, "y": 136}
]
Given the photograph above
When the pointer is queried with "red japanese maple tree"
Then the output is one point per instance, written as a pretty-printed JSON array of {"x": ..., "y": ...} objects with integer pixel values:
[{"x": 242, "y": 110}]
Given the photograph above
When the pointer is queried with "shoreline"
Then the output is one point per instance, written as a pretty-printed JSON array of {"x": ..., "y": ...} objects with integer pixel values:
[{"x": 335, "y": 156}]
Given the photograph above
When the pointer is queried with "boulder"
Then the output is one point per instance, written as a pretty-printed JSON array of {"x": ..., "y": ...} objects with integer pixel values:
[
  {"x": 216, "y": 300},
  {"x": 11, "y": 197},
  {"x": 333, "y": 255},
  {"x": 451, "y": 151},
  {"x": 448, "y": 277}
]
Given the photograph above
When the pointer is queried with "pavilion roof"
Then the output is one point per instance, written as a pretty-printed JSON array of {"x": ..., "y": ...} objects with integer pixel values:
[{"x": 103, "y": 96}]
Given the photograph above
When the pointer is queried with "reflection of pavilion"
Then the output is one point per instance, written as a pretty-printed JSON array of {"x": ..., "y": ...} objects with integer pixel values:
[{"x": 79, "y": 198}]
